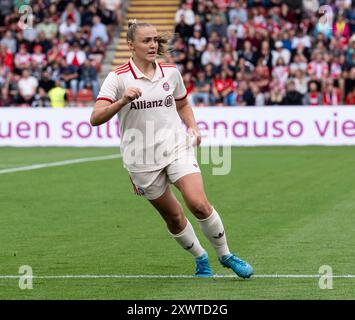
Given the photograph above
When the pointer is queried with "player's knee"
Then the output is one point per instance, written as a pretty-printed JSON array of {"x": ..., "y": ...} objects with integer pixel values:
[
  {"x": 176, "y": 221},
  {"x": 200, "y": 208}
]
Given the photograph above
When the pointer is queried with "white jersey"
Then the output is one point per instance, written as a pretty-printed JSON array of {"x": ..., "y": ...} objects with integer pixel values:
[{"x": 151, "y": 129}]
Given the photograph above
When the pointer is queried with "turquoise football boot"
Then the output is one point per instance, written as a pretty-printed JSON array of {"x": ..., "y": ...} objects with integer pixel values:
[
  {"x": 203, "y": 269},
  {"x": 239, "y": 266}
]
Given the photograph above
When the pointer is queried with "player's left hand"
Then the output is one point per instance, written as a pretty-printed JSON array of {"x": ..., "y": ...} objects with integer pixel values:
[{"x": 195, "y": 133}]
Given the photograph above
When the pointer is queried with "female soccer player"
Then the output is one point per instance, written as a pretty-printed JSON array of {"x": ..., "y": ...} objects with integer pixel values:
[{"x": 150, "y": 100}]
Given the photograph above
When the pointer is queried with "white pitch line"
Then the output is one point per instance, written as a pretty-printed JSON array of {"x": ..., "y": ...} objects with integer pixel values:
[
  {"x": 160, "y": 276},
  {"x": 59, "y": 163}
]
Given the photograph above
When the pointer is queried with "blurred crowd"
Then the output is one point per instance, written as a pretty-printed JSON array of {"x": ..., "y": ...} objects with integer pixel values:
[
  {"x": 266, "y": 52},
  {"x": 52, "y": 50},
  {"x": 230, "y": 52}
]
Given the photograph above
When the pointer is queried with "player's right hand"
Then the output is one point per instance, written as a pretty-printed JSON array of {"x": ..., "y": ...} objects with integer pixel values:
[{"x": 131, "y": 94}]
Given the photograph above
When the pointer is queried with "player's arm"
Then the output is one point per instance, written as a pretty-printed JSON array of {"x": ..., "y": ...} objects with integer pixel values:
[
  {"x": 104, "y": 110},
  {"x": 187, "y": 116}
]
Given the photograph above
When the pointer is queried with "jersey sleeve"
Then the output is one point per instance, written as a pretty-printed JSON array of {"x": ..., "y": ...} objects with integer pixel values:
[
  {"x": 180, "y": 91},
  {"x": 112, "y": 88}
]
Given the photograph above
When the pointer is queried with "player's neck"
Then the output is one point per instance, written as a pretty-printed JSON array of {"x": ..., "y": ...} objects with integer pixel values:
[{"x": 146, "y": 67}]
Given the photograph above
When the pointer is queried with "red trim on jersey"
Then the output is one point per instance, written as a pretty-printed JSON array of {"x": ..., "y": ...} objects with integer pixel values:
[
  {"x": 182, "y": 98},
  {"x": 168, "y": 65},
  {"x": 123, "y": 71},
  {"x": 134, "y": 74},
  {"x": 103, "y": 98},
  {"x": 124, "y": 66},
  {"x": 161, "y": 69}
]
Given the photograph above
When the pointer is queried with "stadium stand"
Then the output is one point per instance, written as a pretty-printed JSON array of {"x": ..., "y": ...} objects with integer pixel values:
[
  {"x": 230, "y": 52},
  {"x": 160, "y": 13},
  {"x": 266, "y": 52},
  {"x": 54, "y": 60}
]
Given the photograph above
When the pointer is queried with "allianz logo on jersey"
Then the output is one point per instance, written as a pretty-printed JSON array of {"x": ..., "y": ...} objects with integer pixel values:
[{"x": 143, "y": 104}]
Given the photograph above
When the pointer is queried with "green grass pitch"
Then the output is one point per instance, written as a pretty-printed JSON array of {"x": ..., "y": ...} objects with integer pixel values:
[{"x": 286, "y": 210}]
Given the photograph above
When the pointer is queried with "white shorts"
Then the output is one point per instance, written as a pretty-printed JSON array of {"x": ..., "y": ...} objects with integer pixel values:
[{"x": 152, "y": 184}]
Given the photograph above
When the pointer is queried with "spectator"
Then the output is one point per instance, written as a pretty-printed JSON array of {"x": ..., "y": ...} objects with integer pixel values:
[
  {"x": 183, "y": 30},
  {"x": 258, "y": 96},
  {"x": 200, "y": 26},
  {"x": 36, "y": 69},
  {"x": 76, "y": 57},
  {"x": 222, "y": 88},
  {"x": 233, "y": 39},
  {"x": 111, "y": 11},
  {"x": 27, "y": 87},
  {"x": 88, "y": 78},
  {"x": 302, "y": 38},
  {"x": 218, "y": 26},
  {"x": 299, "y": 63},
  {"x": 41, "y": 99},
  {"x": 313, "y": 97},
  {"x": 301, "y": 81},
  {"x": 198, "y": 41},
  {"x": 42, "y": 41},
  {"x": 211, "y": 55},
  {"x": 261, "y": 77},
  {"x": 68, "y": 27},
  {"x": 331, "y": 95},
  {"x": 248, "y": 52},
  {"x": 201, "y": 91},
  {"x": 57, "y": 96},
  {"x": 186, "y": 14},
  {"x": 72, "y": 13},
  {"x": 63, "y": 45},
  {"x": 6, "y": 58},
  {"x": 341, "y": 28},
  {"x": 280, "y": 52},
  {"x": 292, "y": 97},
  {"x": 30, "y": 34},
  {"x": 54, "y": 54},
  {"x": 69, "y": 77},
  {"x": 264, "y": 54},
  {"x": 178, "y": 54},
  {"x": 216, "y": 40},
  {"x": 280, "y": 73},
  {"x": 5, "y": 98},
  {"x": 276, "y": 96},
  {"x": 350, "y": 98},
  {"x": 98, "y": 30},
  {"x": 54, "y": 14},
  {"x": 38, "y": 56},
  {"x": 22, "y": 58},
  {"x": 45, "y": 82},
  {"x": 49, "y": 27},
  {"x": 13, "y": 87},
  {"x": 350, "y": 81},
  {"x": 9, "y": 42},
  {"x": 88, "y": 16},
  {"x": 350, "y": 53},
  {"x": 238, "y": 11},
  {"x": 318, "y": 66},
  {"x": 193, "y": 61}
]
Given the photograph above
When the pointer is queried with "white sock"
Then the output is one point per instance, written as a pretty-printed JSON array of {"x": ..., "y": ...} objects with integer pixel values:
[
  {"x": 188, "y": 240},
  {"x": 213, "y": 229}
]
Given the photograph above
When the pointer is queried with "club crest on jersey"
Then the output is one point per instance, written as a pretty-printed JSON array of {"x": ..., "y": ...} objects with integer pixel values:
[
  {"x": 166, "y": 86},
  {"x": 168, "y": 101}
]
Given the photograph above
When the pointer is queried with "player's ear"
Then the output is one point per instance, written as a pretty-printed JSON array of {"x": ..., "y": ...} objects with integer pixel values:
[{"x": 130, "y": 45}]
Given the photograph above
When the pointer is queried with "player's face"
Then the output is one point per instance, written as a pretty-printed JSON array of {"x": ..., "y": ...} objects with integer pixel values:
[{"x": 145, "y": 44}]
